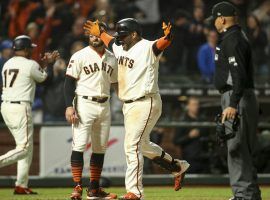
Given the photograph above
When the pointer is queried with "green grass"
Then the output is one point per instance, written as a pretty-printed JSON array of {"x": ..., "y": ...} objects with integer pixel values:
[{"x": 151, "y": 193}]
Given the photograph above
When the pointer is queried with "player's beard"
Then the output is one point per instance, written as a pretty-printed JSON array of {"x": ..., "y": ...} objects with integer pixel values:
[{"x": 96, "y": 44}]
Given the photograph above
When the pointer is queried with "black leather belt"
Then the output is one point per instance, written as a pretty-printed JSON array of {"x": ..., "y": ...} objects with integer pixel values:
[
  {"x": 17, "y": 102},
  {"x": 130, "y": 101},
  {"x": 97, "y": 99},
  {"x": 225, "y": 89}
]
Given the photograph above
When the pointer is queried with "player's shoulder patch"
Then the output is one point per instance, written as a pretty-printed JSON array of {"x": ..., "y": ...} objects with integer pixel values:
[{"x": 70, "y": 63}]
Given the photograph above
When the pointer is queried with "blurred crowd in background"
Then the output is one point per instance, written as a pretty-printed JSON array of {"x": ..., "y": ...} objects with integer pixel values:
[{"x": 58, "y": 24}]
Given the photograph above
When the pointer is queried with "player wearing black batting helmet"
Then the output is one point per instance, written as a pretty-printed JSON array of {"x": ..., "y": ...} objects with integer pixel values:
[
  {"x": 126, "y": 26},
  {"x": 23, "y": 42},
  {"x": 20, "y": 75},
  {"x": 138, "y": 62}
]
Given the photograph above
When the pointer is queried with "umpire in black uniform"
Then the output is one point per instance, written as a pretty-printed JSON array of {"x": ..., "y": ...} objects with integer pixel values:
[{"x": 234, "y": 80}]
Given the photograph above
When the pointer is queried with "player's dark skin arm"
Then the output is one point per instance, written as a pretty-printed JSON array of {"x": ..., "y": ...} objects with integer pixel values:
[{"x": 160, "y": 45}]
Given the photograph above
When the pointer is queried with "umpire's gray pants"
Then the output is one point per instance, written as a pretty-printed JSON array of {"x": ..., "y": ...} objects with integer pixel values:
[{"x": 243, "y": 147}]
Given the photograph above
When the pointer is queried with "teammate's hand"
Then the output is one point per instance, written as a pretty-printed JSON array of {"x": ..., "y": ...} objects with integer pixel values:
[
  {"x": 92, "y": 28},
  {"x": 49, "y": 58},
  {"x": 228, "y": 113},
  {"x": 167, "y": 30},
  {"x": 71, "y": 115}
]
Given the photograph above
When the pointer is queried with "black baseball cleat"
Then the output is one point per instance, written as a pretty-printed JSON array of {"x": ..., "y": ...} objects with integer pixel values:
[
  {"x": 236, "y": 198},
  {"x": 99, "y": 194}
]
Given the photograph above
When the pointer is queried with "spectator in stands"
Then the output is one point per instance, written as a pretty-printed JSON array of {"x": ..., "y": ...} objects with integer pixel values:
[
  {"x": 61, "y": 19},
  {"x": 151, "y": 19},
  {"x": 173, "y": 59},
  {"x": 53, "y": 95},
  {"x": 129, "y": 10},
  {"x": 258, "y": 40},
  {"x": 6, "y": 53},
  {"x": 85, "y": 6},
  {"x": 39, "y": 37},
  {"x": 19, "y": 13},
  {"x": 189, "y": 139},
  {"x": 37, "y": 105},
  {"x": 194, "y": 39},
  {"x": 206, "y": 57},
  {"x": 104, "y": 12},
  {"x": 77, "y": 34}
]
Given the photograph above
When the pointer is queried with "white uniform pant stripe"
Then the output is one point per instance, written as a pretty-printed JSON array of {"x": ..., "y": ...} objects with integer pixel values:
[
  {"x": 140, "y": 118},
  {"x": 138, "y": 167}
]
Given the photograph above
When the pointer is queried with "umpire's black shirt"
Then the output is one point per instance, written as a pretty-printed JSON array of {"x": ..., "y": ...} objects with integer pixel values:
[{"x": 234, "y": 70}]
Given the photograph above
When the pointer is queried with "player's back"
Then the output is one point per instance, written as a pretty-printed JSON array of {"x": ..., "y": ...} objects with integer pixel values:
[{"x": 19, "y": 75}]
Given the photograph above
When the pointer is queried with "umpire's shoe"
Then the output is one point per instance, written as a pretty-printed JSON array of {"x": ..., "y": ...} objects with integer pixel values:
[
  {"x": 179, "y": 176},
  {"x": 100, "y": 194},
  {"x": 241, "y": 198},
  {"x": 77, "y": 193},
  {"x": 23, "y": 191},
  {"x": 129, "y": 196}
]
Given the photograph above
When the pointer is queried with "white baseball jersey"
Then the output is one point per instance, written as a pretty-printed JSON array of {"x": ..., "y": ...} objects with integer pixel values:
[
  {"x": 94, "y": 74},
  {"x": 137, "y": 70},
  {"x": 19, "y": 76}
]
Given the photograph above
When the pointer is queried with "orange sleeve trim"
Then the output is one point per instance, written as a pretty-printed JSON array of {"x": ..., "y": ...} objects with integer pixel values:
[
  {"x": 163, "y": 43},
  {"x": 106, "y": 38}
]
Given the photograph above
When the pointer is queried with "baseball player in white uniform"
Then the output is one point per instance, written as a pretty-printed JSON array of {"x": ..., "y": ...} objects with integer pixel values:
[
  {"x": 89, "y": 75},
  {"x": 20, "y": 75},
  {"x": 138, "y": 62}
]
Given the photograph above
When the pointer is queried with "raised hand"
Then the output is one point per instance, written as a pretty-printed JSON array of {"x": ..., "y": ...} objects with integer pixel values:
[
  {"x": 167, "y": 30},
  {"x": 50, "y": 57},
  {"x": 92, "y": 28}
]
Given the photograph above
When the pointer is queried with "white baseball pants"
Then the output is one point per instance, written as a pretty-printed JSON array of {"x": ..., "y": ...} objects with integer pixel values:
[
  {"x": 140, "y": 117},
  {"x": 95, "y": 122},
  {"x": 18, "y": 118}
]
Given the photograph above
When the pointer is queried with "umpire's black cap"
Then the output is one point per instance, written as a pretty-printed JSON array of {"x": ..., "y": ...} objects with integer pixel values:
[
  {"x": 224, "y": 9},
  {"x": 23, "y": 42}
]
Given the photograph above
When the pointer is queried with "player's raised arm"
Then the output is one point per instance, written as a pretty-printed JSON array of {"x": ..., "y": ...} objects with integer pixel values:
[
  {"x": 163, "y": 42},
  {"x": 99, "y": 29}
]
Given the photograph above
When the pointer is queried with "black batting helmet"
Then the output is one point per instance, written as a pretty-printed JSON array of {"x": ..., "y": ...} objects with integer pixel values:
[
  {"x": 127, "y": 26},
  {"x": 23, "y": 42}
]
